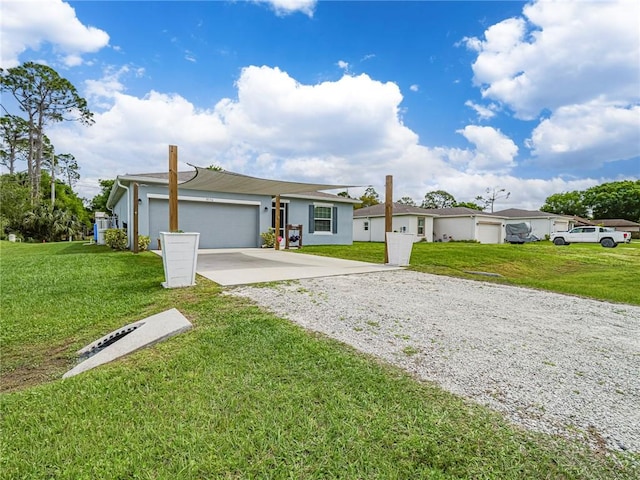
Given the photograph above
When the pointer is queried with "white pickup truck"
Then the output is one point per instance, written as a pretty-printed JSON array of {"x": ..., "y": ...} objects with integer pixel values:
[{"x": 607, "y": 237}]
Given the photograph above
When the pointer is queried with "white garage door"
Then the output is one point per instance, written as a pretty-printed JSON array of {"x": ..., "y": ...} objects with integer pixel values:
[
  {"x": 221, "y": 225},
  {"x": 489, "y": 232}
]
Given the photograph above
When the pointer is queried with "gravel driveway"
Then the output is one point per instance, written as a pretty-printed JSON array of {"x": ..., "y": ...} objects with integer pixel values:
[{"x": 550, "y": 362}]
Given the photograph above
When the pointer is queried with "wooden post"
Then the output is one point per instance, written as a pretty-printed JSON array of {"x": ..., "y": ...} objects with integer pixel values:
[
  {"x": 277, "y": 243},
  {"x": 135, "y": 217},
  {"x": 388, "y": 213},
  {"x": 173, "y": 188}
]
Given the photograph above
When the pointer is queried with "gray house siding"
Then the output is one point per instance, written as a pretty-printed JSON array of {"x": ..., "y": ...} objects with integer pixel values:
[
  {"x": 341, "y": 227},
  {"x": 224, "y": 220}
]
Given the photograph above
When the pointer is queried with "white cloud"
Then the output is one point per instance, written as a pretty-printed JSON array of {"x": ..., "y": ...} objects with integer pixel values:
[
  {"x": 588, "y": 135},
  {"x": 494, "y": 151},
  {"x": 414, "y": 88},
  {"x": 352, "y": 116},
  {"x": 347, "y": 131},
  {"x": 287, "y": 7},
  {"x": 579, "y": 62},
  {"x": 343, "y": 65},
  {"x": 484, "y": 113},
  {"x": 134, "y": 134},
  {"x": 561, "y": 53},
  {"x": 30, "y": 24},
  {"x": 102, "y": 92}
]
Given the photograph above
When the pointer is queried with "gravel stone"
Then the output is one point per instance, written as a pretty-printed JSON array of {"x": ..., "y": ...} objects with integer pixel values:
[{"x": 552, "y": 363}]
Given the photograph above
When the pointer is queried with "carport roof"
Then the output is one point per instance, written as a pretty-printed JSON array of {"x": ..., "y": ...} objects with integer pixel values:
[{"x": 221, "y": 181}]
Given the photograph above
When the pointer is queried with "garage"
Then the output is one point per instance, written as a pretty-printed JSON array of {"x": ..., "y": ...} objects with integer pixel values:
[
  {"x": 221, "y": 225},
  {"x": 489, "y": 232}
]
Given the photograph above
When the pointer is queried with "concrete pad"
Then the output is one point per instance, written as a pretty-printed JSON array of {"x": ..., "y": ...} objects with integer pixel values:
[
  {"x": 256, "y": 265},
  {"x": 130, "y": 338}
]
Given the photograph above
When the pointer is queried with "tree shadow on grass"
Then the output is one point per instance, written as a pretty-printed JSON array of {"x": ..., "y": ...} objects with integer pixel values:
[{"x": 78, "y": 248}]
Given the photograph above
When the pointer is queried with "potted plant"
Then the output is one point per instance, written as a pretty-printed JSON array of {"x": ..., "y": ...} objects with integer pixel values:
[{"x": 179, "y": 258}]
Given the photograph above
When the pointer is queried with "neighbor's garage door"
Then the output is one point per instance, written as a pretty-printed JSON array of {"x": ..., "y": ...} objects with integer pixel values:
[
  {"x": 221, "y": 225},
  {"x": 490, "y": 232}
]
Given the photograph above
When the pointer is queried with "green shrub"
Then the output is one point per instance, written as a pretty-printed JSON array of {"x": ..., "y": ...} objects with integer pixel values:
[
  {"x": 269, "y": 238},
  {"x": 143, "y": 242},
  {"x": 116, "y": 238}
]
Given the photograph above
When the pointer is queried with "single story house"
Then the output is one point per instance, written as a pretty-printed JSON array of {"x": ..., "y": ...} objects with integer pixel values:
[
  {"x": 543, "y": 224},
  {"x": 620, "y": 225},
  {"x": 231, "y": 210},
  {"x": 429, "y": 224},
  {"x": 369, "y": 222},
  {"x": 462, "y": 223}
]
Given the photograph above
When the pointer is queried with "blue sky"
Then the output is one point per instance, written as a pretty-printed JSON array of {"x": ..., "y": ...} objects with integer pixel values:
[{"x": 533, "y": 97}]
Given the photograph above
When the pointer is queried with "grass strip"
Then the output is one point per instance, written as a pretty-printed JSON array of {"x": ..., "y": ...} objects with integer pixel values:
[
  {"x": 587, "y": 270},
  {"x": 242, "y": 395}
]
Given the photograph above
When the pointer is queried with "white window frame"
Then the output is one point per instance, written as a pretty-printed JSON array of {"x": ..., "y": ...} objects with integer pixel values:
[{"x": 331, "y": 219}]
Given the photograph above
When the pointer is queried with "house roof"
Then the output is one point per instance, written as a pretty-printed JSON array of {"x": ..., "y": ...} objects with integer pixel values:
[
  {"x": 460, "y": 212},
  {"x": 220, "y": 181},
  {"x": 402, "y": 209},
  {"x": 615, "y": 222},
  {"x": 398, "y": 209},
  {"x": 581, "y": 221},
  {"x": 520, "y": 213}
]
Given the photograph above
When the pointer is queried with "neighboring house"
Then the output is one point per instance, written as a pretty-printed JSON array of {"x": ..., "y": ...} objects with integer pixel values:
[
  {"x": 462, "y": 223},
  {"x": 368, "y": 222},
  {"x": 580, "y": 222},
  {"x": 618, "y": 224},
  {"x": 543, "y": 224},
  {"x": 231, "y": 210},
  {"x": 429, "y": 224}
]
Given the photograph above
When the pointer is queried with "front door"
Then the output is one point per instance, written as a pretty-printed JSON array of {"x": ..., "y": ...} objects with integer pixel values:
[{"x": 284, "y": 217}]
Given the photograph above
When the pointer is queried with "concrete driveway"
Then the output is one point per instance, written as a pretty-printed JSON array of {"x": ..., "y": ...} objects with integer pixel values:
[{"x": 255, "y": 265}]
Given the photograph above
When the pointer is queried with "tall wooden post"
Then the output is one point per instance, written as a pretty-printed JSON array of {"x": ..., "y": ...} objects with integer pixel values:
[
  {"x": 277, "y": 243},
  {"x": 388, "y": 213},
  {"x": 173, "y": 188},
  {"x": 135, "y": 217}
]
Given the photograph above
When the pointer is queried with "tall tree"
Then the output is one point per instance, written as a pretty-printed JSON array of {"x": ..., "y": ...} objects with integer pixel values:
[
  {"x": 369, "y": 197},
  {"x": 438, "y": 199},
  {"x": 407, "y": 201},
  {"x": 471, "y": 205},
  {"x": 99, "y": 202},
  {"x": 68, "y": 168},
  {"x": 567, "y": 203},
  {"x": 45, "y": 98},
  {"x": 493, "y": 194},
  {"x": 15, "y": 141},
  {"x": 615, "y": 200}
]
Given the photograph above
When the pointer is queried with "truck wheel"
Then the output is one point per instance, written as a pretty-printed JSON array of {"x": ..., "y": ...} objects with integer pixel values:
[
  {"x": 607, "y": 243},
  {"x": 558, "y": 241}
]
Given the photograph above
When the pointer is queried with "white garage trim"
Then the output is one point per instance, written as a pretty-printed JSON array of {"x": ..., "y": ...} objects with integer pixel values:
[{"x": 188, "y": 198}]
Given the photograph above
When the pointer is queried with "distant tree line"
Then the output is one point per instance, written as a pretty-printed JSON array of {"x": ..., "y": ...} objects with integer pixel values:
[{"x": 619, "y": 200}]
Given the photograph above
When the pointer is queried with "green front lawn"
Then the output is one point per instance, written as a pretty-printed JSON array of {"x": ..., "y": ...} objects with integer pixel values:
[
  {"x": 578, "y": 269},
  {"x": 242, "y": 395}
]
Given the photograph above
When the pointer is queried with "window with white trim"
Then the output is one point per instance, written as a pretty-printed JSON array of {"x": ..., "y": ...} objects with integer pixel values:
[
  {"x": 421, "y": 226},
  {"x": 322, "y": 218}
]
